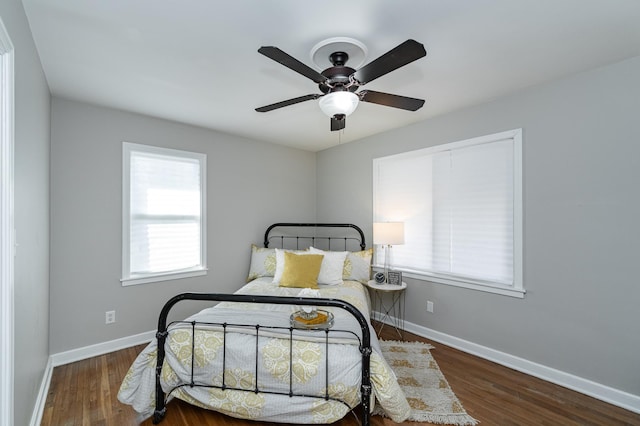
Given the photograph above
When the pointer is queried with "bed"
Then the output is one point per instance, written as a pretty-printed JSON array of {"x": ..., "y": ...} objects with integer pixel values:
[{"x": 253, "y": 356}]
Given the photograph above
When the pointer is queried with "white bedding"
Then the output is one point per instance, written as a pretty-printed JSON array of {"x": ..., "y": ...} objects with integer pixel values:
[{"x": 308, "y": 375}]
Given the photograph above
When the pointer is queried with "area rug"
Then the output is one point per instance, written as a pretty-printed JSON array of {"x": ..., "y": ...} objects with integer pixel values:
[{"x": 429, "y": 395}]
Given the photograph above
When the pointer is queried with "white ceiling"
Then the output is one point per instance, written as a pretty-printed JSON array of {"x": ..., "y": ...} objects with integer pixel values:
[{"x": 196, "y": 61}]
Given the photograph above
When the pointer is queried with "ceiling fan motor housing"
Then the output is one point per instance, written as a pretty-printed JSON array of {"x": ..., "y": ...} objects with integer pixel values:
[{"x": 338, "y": 76}]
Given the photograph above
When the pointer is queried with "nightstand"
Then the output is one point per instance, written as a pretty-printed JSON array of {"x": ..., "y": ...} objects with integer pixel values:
[{"x": 391, "y": 312}]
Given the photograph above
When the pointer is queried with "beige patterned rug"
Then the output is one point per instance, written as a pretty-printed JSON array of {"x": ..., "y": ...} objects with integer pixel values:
[{"x": 429, "y": 395}]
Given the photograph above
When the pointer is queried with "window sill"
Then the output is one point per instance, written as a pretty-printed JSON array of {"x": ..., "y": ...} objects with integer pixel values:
[
  {"x": 487, "y": 288},
  {"x": 163, "y": 277}
]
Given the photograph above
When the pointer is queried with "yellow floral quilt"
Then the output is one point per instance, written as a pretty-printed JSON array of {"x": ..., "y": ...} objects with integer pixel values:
[{"x": 305, "y": 375}]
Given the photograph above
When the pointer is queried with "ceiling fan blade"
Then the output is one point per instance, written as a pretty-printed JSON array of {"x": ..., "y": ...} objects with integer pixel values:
[
  {"x": 288, "y": 102},
  {"x": 338, "y": 122},
  {"x": 292, "y": 63},
  {"x": 387, "y": 99},
  {"x": 397, "y": 57}
]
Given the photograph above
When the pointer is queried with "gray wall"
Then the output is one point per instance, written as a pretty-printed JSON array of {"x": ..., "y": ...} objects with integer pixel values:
[
  {"x": 32, "y": 103},
  {"x": 581, "y": 143},
  {"x": 250, "y": 185}
]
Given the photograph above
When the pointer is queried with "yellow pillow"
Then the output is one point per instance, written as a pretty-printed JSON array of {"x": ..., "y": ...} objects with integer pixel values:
[{"x": 301, "y": 270}]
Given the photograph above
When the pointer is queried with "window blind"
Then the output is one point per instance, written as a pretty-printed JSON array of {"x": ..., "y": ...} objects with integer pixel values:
[
  {"x": 163, "y": 212},
  {"x": 458, "y": 205}
]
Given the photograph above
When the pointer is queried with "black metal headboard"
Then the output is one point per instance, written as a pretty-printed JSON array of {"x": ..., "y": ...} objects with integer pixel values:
[{"x": 327, "y": 236}]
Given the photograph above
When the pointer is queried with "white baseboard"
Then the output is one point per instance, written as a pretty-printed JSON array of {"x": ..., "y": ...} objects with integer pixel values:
[
  {"x": 604, "y": 393},
  {"x": 79, "y": 354},
  {"x": 101, "y": 348}
]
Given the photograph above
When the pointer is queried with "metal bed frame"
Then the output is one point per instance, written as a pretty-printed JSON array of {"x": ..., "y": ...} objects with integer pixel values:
[{"x": 364, "y": 340}]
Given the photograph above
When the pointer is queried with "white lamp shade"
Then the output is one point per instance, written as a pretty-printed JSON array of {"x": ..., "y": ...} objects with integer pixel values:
[
  {"x": 391, "y": 233},
  {"x": 338, "y": 103}
]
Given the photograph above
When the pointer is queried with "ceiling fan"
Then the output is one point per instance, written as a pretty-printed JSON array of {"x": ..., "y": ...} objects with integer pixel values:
[{"x": 339, "y": 82}]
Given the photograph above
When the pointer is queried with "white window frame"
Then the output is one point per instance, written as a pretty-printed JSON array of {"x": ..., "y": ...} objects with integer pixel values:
[
  {"x": 517, "y": 288},
  {"x": 127, "y": 278}
]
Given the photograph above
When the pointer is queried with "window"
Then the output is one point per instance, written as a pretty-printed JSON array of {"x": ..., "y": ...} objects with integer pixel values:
[
  {"x": 163, "y": 216},
  {"x": 462, "y": 207}
]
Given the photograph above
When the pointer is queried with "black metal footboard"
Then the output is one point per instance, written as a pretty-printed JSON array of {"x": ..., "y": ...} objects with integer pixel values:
[{"x": 365, "y": 344}]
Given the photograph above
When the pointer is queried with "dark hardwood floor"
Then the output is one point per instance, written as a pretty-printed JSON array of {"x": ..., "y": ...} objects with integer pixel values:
[{"x": 85, "y": 393}]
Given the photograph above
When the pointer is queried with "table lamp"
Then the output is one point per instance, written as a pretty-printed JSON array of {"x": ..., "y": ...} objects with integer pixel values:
[{"x": 388, "y": 234}]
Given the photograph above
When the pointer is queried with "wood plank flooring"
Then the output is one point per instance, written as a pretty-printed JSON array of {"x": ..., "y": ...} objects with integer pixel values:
[{"x": 85, "y": 393}]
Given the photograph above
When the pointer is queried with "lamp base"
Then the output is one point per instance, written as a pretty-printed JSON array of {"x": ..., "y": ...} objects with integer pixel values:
[{"x": 387, "y": 254}]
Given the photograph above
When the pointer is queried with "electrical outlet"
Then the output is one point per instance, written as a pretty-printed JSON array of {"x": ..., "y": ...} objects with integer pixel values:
[
  {"x": 110, "y": 317},
  {"x": 429, "y": 306}
]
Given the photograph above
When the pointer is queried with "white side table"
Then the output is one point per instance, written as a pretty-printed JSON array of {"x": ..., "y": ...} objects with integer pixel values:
[{"x": 393, "y": 311}]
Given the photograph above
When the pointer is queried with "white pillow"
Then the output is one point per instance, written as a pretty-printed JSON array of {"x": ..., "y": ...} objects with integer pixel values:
[
  {"x": 332, "y": 266},
  {"x": 357, "y": 267},
  {"x": 263, "y": 262},
  {"x": 277, "y": 275}
]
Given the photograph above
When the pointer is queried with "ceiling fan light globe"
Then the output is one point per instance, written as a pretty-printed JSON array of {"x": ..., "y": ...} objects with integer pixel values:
[{"x": 339, "y": 103}]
